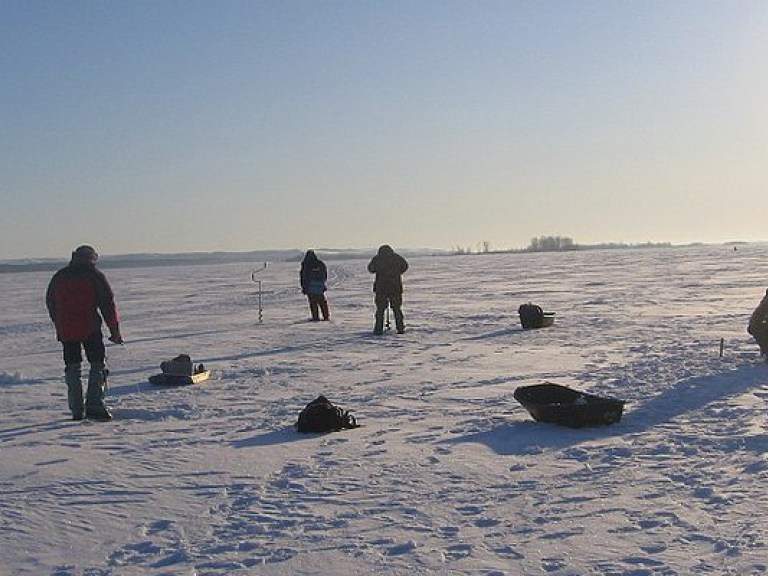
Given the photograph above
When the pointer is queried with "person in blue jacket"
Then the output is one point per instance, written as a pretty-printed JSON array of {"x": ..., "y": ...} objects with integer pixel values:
[{"x": 312, "y": 278}]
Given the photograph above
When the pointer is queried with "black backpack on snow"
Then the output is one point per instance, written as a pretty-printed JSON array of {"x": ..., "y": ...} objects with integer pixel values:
[
  {"x": 531, "y": 316},
  {"x": 321, "y": 415}
]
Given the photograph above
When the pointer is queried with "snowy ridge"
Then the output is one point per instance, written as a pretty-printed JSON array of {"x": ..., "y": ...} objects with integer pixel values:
[
  {"x": 205, "y": 258},
  {"x": 448, "y": 474}
]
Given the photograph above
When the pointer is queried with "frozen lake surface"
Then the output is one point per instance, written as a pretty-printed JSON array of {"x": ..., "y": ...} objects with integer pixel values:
[{"x": 448, "y": 473}]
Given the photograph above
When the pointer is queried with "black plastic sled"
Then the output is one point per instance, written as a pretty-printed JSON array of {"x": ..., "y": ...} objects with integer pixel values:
[
  {"x": 565, "y": 406},
  {"x": 180, "y": 371},
  {"x": 165, "y": 379}
]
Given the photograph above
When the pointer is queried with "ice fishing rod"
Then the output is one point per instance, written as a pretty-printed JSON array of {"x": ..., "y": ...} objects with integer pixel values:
[
  {"x": 122, "y": 346},
  {"x": 258, "y": 282}
]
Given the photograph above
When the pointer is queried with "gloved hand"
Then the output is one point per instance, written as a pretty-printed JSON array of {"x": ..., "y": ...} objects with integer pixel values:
[{"x": 116, "y": 337}]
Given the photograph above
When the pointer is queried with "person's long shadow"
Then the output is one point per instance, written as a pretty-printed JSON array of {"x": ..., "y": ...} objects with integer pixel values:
[
  {"x": 281, "y": 436},
  {"x": 207, "y": 360},
  {"x": 529, "y": 437},
  {"x": 16, "y": 432},
  {"x": 503, "y": 332}
]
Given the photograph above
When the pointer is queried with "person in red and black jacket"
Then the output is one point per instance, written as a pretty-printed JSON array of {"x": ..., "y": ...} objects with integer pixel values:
[{"x": 78, "y": 298}]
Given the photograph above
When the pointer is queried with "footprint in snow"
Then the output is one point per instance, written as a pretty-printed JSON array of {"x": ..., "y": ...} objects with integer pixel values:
[{"x": 457, "y": 552}]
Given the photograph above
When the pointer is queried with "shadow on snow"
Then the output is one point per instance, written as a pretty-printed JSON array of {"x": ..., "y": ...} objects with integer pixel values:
[
  {"x": 282, "y": 436},
  {"x": 530, "y": 437}
]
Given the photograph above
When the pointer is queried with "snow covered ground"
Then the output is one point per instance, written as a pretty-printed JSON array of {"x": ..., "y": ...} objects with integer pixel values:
[{"x": 448, "y": 473}]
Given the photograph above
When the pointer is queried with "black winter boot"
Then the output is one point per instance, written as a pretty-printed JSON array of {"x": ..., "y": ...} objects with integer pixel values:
[
  {"x": 73, "y": 379},
  {"x": 100, "y": 413},
  {"x": 399, "y": 320},
  {"x": 94, "y": 400},
  {"x": 378, "y": 323}
]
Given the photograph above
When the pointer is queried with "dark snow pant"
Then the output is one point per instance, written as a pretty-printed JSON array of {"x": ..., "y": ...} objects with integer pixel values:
[
  {"x": 760, "y": 334},
  {"x": 73, "y": 358},
  {"x": 391, "y": 300},
  {"x": 318, "y": 303},
  {"x": 93, "y": 346}
]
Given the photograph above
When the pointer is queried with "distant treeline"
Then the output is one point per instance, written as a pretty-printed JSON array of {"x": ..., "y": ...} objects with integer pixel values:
[
  {"x": 557, "y": 244},
  {"x": 563, "y": 243}
]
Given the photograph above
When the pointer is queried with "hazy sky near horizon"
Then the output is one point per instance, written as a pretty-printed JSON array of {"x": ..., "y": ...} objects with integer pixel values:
[{"x": 186, "y": 125}]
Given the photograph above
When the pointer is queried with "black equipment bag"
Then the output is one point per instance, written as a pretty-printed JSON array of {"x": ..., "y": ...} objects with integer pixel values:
[
  {"x": 321, "y": 415},
  {"x": 531, "y": 316}
]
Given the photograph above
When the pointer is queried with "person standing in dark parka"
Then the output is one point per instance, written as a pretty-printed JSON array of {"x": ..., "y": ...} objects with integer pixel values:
[
  {"x": 76, "y": 295},
  {"x": 312, "y": 278},
  {"x": 389, "y": 267},
  {"x": 758, "y": 326}
]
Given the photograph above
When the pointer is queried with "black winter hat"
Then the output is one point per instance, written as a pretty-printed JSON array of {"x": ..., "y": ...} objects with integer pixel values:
[{"x": 85, "y": 255}]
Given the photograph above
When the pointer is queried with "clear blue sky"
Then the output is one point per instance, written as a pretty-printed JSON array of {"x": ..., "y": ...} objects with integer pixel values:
[{"x": 175, "y": 126}]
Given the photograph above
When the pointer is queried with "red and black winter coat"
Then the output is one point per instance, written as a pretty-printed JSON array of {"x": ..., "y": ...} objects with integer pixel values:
[{"x": 76, "y": 294}]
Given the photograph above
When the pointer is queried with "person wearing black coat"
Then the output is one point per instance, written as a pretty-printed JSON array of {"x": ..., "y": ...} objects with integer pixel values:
[
  {"x": 312, "y": 278},
  {"x": 758, "y": 326},
  {"x": 389, "y": 267}
]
